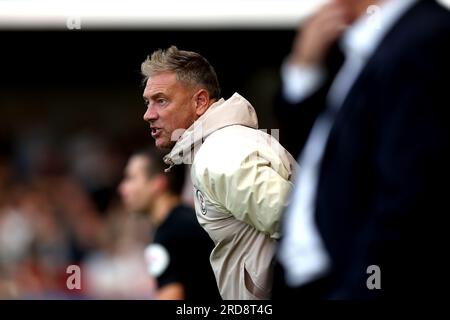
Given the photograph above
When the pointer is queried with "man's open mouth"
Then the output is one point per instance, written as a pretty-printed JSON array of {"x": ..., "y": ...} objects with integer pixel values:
[{"x": 155, "y": 131}]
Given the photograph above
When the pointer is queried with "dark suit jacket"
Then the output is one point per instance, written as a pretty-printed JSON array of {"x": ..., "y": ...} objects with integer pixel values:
[{"x": 383, "y": 189}]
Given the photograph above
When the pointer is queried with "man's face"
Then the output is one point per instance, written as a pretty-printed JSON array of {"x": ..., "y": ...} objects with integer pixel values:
[
  {"x": 136, "y": 189},
  {"x": 170, "y": 106}
]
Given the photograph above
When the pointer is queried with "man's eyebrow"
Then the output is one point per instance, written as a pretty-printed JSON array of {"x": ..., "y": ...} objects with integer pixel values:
[{"x": 155, "y": 96}]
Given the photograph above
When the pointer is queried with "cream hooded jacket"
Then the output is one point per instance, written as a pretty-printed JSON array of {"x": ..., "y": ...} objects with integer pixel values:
[{"x": 242, "y": 179}]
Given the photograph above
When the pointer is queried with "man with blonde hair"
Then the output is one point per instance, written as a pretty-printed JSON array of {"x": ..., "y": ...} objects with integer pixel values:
[{"x": 241, "y": 176}]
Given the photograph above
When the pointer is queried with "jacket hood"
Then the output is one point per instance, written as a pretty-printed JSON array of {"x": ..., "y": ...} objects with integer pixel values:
[{"x": 234, "y": 111}]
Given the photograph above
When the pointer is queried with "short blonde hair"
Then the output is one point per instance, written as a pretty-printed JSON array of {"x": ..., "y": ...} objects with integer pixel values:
[{"x": 190, "y": 68}]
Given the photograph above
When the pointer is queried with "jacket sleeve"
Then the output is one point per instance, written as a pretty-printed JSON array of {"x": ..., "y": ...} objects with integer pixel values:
[{"x": 255, "y": 192}]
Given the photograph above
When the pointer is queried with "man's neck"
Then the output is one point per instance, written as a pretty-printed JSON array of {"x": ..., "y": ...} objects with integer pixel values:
[{"x": 162, "y": 207}]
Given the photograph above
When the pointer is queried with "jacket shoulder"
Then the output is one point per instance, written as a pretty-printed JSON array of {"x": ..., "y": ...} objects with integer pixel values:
[{"x": 225, "y": 150}]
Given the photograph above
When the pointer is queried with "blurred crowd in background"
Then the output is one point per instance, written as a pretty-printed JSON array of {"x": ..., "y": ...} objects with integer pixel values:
[{"x": 59, "y": 207}]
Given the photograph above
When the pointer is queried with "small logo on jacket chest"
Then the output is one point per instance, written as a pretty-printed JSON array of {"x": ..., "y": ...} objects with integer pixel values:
[{"x": 202, "y": 202}]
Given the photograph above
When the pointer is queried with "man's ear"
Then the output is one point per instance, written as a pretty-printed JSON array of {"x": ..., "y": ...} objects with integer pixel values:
[{"x": 202, "y": 102}]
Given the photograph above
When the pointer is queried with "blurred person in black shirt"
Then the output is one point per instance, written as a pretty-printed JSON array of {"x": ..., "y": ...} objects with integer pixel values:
[{"x": 178, "y": 257}]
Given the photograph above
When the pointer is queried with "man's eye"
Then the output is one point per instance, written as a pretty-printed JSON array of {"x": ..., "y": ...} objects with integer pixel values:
[
  {"x": 146, "y": 102},
  {"x": 162, "y": 101}
]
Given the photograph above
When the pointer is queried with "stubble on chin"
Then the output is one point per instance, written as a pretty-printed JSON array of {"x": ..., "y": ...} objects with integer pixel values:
[{"x": 165, "y": 145}]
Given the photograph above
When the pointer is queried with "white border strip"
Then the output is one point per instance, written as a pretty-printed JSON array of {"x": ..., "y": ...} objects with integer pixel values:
[{"x": 156, "y": 14}]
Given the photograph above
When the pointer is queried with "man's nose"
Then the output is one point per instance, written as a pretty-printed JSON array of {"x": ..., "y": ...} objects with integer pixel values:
[{"x": 150, "y": 114}]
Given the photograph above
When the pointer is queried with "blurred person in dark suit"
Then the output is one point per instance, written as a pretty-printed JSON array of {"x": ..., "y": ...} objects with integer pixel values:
[
  {"x": 365, "y": 97},
  {"x": 178, "y": 257},
  {"x": 241, "y": 175}
]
